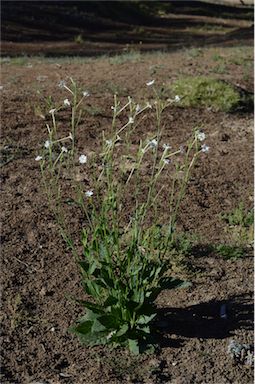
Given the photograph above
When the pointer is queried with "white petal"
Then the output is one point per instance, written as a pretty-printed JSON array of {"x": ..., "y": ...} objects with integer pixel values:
[
  {"x": 67, "y": 102},
  {"x": 150, "y": 83},
  {"x": 83, "y": 159}
]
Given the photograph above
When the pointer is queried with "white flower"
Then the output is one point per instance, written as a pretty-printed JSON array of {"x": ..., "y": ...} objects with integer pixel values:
[
  {"x": 83, "y": 159},
  {"x": 38, "y": 158},
  {"x": 182, "y": 149},
  {"x": 64, "y": 149},
  {"x": 166, "y": 147},
  {"x": 67, "y": 103},
  {"x": 62, "y": 84},
  {"x": 205, "y": 148},
  {"x": 137, "y": 108},
  {"x": 177, "y": 99},
  {"x": 85, "y": 93},
  {"x": 52, "y": 111},
  {"x": 47, "y": 143},
  {"x": 153, "y": 143},
  {"x": 109, "y": 142},
  {"x": 200, "y": 135},
  {"x": 150, "y": 83},
  {"x": 89, "y": 193},
  {"x": 167, "y": 161},
  {"x": 131, "y": 120}
]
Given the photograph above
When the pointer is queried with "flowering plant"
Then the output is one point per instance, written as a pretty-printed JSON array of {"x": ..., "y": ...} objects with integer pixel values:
[{"x": 124, "y": 260}]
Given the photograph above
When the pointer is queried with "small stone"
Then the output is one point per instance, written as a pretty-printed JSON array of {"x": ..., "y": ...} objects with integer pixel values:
[{"x": 43, "y": 291}]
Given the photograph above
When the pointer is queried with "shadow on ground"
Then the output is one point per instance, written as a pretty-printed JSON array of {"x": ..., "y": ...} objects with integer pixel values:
[
  {"x": 84, "y": 28},
  {"x": 204, "y": 321}
]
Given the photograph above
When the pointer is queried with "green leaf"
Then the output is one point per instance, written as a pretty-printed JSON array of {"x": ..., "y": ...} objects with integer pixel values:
[
  {"x": 122, "y": 330},
  {"x": 92, "y": 268},
  {"x": 95, "y": 338},
  {"x": 103, "y": 251},
  {"x": 147, "y": 329},
  {"x": 84, "y": 265},
  {"x": 83, "y": 328},
  {"x": 92, "y": 288},
  {"x": 109, "y": 321},
  {"x": 133, "y": 346},
  {"x": 98, "y": 326},
  {"x": 106, "y": 276},
  {"x": 173, "y": 283},
  {"x": 111, "y": 300},
  {"x": 145, "y": 319},
  {"x": 93, "y": 307}
]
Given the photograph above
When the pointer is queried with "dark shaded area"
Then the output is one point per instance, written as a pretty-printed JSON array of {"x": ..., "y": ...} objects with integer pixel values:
[
  {"x": 204, "y": 321},
  {"x": 98, "y": 27}
]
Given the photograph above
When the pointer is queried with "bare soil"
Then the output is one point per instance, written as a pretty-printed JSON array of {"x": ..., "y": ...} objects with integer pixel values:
[{"x": 38, "y": 273}]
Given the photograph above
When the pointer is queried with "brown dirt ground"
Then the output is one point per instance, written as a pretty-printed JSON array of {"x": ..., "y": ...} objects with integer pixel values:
[{"x": 38, "y": 272}]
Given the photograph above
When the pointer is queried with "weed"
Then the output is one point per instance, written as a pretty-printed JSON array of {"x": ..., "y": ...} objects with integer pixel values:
[
  {"x": 240, "y": 228},
  {"x": 221, "y": 68},
  {"x": 230, "y": 251},
  {"x": 239, "y": 216},
  {"x": 184, "y": 243},
  {"x": 208, "y": 92},
  {"x": 124, "y": 258},
  {"x": 17, "y": 312},
  {"x": 241, "y": 353},
  {"x": 19, "y": 60},
  {"x": 194, "y": 52},
  {"x": 217, "y": 57},
  {"x": 132, "y": 56}
]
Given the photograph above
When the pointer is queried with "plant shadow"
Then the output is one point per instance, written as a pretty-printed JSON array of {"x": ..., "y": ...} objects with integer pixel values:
[{"x": 204, "y": 321}]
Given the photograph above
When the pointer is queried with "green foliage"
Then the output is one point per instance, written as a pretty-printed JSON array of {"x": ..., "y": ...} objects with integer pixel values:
[
  {"x": 230, "y": 251},
  {"x": 217, "y": 57},
  {"x": 239, "y": 216},
  {"x": 124, "y": 259},
  {"x": 194, "y": 52},
  {"x": 240, "y": 229},
  {"x": 132, "y": 56},
  {"x": 183, "y": 243},
  {"x": 220, "y": 68},
  {"x": 207, "y": 92},
  {"x": 124, "y": 287}
]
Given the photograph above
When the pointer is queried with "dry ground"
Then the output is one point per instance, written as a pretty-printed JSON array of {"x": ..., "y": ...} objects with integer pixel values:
[{"x": 37, "y": 270}]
